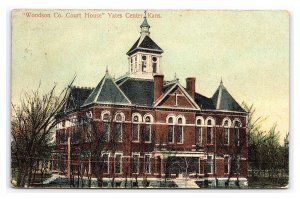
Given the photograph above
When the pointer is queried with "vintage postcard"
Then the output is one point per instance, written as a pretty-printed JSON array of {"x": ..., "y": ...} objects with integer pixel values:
[{"x": 150, "y": 99}]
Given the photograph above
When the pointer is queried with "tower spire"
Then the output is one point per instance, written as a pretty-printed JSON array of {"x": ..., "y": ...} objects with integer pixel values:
[{"x": 145, "y": 26}]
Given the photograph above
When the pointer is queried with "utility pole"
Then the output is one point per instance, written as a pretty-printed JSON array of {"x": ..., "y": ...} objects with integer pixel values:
[{"x": 69, "y": 157}]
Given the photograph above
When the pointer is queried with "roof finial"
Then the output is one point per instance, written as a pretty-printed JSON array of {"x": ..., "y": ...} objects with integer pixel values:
[
  {"x": 175, "y": 77},
  {"x": 106, "y": 70},
  {"x": 221, "y": 80},
  {"x": 145, "y": 16}
]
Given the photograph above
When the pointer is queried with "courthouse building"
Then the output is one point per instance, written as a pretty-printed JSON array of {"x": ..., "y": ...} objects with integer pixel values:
[{"x": 142, "y": 125}]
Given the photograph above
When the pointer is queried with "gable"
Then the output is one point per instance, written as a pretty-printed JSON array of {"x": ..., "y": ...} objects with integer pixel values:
[{"x": 177, "y": 98}]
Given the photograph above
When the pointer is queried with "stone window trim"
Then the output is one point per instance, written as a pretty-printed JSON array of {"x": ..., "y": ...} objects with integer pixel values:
[
  {"x": 226, "y": 122},
  {"x": 104, "y": 114},
  {"x": 199, "y": 121},
  {"x": 210, "y": 121}
]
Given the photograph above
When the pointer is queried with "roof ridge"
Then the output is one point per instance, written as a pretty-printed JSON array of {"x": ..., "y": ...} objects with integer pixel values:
[
  {"x": 219, "y": 97},
  {"x": 101, "y": 86}
]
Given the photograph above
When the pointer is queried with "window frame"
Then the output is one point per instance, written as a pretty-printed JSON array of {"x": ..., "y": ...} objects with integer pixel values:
[
  {"x": 133, "y": 163},
  {"x": 148, "y": 124},
  {"x": 121, "y": 163},
  {"x": 210, "y": 130},
  {"x": 138, "y": 125},
  {"x": 199, "y": 127},
  {"x": 108, "y": 155},
  {"x": 227, "y": 163},
  {"x": 120, "y": 122},
  {"x": 210, "y": 164},
  {"x": 149, "y": 164},
  {"x": 171, "y": 125}
]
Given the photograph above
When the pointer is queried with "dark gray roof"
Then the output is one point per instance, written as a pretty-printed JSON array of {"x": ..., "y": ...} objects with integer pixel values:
[
  {"x": 108, "y": 92},
  {"x": 222, "y": 100},
  {"x": 204, "y": 102},
  {"x": 139, "y": 91},
  {"x": 168, "y": 86},
  {"x": 145, "y": 43},
  {"x": 75, "y": 98}
]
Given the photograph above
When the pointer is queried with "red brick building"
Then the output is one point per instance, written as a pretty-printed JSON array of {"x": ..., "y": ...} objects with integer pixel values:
[{"x": 141, "y": 125}]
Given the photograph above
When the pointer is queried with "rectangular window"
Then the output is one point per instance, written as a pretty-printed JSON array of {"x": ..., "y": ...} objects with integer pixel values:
[
  {"x": 118, "y": 163},
  {"x": 199, "y": 135},
  {"x": 209, "y": 164},
  {"x": 154, "y": 67},
  {"x": 105, "y": 163},
  {"x": 106, "y": 130},
  {"x": 226, "y": 136},
  {"x": 119, "y": 132},
  {"x": 209, "y": 135},
  {"x": 226, "y": 164},
  {"x": 147, "y": 164},
  {"x": 144, "y": 65},
  {"x": 238, "y": 163},
  {"x": 148, "y": 133},
  {"x": 135, "y": 164},
  {"x": 171, "y": 134},
  {"x": 180, "y": 135},
  {"x": 135, "y": 132},
  {"x": 157, "y": 164},
  {"x": 237, "y": 136}
]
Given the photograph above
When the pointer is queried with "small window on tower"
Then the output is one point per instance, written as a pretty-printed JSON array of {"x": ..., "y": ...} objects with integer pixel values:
[
  {"x": 154, "y": 64},
  {"x": 144, "y": 63}
]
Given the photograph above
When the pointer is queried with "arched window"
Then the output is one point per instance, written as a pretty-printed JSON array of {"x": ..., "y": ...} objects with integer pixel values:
[
  {"x": 180, "y": 133},
  {"x": 210, "y": 134},
  {"x": 106, "y": 118},
  {"x": 236, "y": 125},
  {"x": 119, "y": 119},
  {"x": 199, "y": 131},
  {"x": 171, "y": 128},
  {"x": 226, "y": 125},
  {"x": 136, "y": 120},
  {"x": 148, "y": 120}
]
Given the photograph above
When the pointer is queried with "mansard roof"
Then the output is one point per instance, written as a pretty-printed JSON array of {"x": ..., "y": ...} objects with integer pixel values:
[
  {"x": 222, "y": 100},
  {"x": 144, "y": 43},
  {"x": 107, "y": 91}
]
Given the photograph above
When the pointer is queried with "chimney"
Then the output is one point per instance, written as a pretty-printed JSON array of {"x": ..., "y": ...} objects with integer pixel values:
[
  {"x": 190, "y": 86},
  {"x": 158, "y": 85}
]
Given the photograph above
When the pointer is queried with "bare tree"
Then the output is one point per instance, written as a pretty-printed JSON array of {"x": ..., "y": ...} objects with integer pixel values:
[{"x": 32, "y": 123}]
